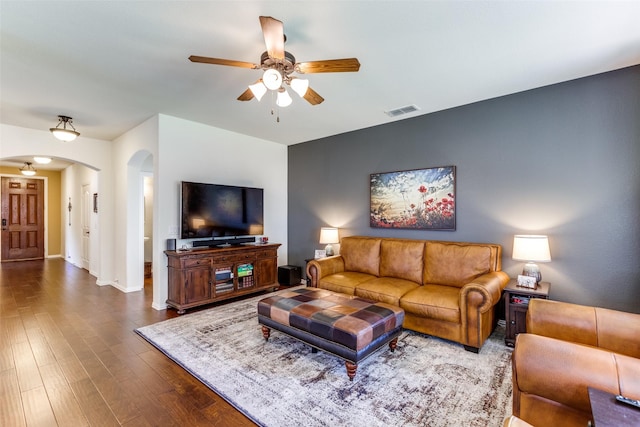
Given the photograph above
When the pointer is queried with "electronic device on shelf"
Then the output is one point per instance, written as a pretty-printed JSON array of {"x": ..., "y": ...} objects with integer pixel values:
[{"x": 227, "y": 214}]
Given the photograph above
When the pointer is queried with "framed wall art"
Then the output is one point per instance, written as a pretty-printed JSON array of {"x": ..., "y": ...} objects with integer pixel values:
[{"x": 422, "y": 199}]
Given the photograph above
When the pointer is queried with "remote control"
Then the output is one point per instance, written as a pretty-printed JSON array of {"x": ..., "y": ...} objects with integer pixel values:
[{"x": 632, "y": 402}]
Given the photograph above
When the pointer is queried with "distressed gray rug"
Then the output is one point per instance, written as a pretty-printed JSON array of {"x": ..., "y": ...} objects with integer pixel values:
[{"x": 425, "y": 382}]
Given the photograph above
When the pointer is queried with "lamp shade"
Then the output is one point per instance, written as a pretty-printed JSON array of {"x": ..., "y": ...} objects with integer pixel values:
[
  {"x": 283, "y": 100},
  {"x": 272, "y": 79},
  {"x": 258, "y": 89},
  {"x": 528, "y": 247},
  {"x": 329, "y": 235},
  {"x": 300, "y": 86}
]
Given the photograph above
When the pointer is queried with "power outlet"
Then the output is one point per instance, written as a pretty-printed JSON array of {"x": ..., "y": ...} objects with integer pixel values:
[{"x": 173, "y": 230}]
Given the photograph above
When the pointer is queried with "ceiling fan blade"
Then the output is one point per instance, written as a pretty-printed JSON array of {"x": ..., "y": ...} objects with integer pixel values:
[
  {"x": 312, "y": 97},
  {"x": 218, "y": 61},
  {"x": 273, "y": 31},
  {"x": 329, "y": 66},
  {"x": 247, "y": 95}
]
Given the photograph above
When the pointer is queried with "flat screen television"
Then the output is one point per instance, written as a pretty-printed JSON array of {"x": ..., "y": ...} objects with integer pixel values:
[{"x": 212, "y": 210}]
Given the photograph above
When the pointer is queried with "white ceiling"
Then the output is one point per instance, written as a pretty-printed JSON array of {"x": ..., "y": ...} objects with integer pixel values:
[{"x": 113, "y": 64}]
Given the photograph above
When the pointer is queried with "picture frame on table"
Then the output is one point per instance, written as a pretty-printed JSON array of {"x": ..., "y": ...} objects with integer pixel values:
[{"x": 320, "y": 253}]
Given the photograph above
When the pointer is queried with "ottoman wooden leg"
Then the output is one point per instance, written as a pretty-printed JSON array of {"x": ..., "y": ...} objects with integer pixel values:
[
  {"x": 351, "y": 369},
  {"x": 266, "y": 332},
  {"x": 393, "y": 344}
]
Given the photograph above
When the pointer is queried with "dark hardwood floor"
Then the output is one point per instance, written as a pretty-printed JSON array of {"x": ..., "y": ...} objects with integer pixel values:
[{"x": 69, "y": 356}]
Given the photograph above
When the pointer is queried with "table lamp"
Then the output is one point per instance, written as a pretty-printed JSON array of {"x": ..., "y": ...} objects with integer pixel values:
[
  {"x": 328, "y": 236},
  {"x": 531, "y": 248}
]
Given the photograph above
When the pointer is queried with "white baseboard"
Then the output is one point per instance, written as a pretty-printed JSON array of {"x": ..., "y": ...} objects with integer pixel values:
[{"x": 159, "y": 306}]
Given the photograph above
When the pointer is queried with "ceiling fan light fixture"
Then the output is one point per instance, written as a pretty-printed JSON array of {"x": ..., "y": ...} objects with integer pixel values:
[
  {"x": 258, "y": 89},
  {"x": 28, "y": 169},
  {"x": 62, "y": 133},
  {"x": 42, "y": 160},
  {"x": 272, "y": 79},
  {"x": 283, "y": 100},
  {"x": 299, "y": 86}
]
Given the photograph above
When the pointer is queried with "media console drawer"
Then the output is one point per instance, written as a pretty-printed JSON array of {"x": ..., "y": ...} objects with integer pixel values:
[
  {"x": 233, "y": 258},
  {"x": 196, "y": 262},
  {"x": 267, "y": 253}
]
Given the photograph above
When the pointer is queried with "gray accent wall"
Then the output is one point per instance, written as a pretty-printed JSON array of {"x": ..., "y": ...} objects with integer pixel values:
[{"x": 561, "y": 160}]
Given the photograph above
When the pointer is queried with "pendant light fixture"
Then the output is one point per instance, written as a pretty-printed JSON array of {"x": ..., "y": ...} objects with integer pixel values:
[
  {"x": 62, "y": 133},
  {"x": 28, "y": 169}
]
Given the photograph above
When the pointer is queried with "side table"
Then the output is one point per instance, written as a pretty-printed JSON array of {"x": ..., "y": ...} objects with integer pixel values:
[
  {"x": 516, "y": 303},
  {"x": 608, "y": 412}
]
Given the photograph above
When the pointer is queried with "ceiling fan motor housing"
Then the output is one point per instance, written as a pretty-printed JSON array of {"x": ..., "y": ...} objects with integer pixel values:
[{"x": 286, "y": 66}]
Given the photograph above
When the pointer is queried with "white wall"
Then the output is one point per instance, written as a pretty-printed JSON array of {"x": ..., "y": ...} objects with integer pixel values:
[
  {"x": 190, "y": 151},
  {"x": 94, "y": 153},
  {"x": 73, "y": 178},
  {"x": 130, "y": 153}
]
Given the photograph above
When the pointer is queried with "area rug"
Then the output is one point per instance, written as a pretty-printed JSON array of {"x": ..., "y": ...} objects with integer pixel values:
[{"x": 280, "y": 382}]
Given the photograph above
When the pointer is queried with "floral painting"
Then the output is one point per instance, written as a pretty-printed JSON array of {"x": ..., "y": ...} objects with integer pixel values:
[{"x": 422, "y": 199}]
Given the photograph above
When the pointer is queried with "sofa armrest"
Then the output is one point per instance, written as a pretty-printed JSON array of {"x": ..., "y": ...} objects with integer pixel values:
[
  {"x": 612, "y": 330},
  {"x": 489, "y": 289},
  {"x": 322, "y": 267},
  {"x": 477, "y": 299}
]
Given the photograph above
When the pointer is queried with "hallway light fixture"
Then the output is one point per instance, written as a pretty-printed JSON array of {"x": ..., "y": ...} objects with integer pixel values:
[
  {"x": 42, "y": 160},
  {"x": 28, "y": 169},
  {"x": 62, "y": 133}
]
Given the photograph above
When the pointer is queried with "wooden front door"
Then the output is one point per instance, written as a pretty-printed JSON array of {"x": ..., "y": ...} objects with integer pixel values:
[{"x": 22, "y": 219}]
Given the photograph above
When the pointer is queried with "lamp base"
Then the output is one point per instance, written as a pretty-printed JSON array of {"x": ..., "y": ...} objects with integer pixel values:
[
  {"x": 532, "y": 270},
  {"x": 329, "y": 250}
]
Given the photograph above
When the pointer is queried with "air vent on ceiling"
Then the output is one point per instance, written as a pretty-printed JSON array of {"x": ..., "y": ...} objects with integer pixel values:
[{"x": 402, "y": 110}]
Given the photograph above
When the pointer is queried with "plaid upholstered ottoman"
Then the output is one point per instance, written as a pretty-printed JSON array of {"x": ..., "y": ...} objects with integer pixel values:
[{"x": 343, "y": 325}]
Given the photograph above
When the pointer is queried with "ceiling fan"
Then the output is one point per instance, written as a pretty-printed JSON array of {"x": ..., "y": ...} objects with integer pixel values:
[{"x": 279, "y": 65}]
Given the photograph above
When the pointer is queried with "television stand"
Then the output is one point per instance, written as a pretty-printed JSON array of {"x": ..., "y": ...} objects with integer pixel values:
[{"x": 215, "y": 274}]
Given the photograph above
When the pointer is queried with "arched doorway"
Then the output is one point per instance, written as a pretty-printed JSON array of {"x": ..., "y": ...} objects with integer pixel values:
[
  {"x": 71, "y": 220},
  {"x": 139, "y": 168}
]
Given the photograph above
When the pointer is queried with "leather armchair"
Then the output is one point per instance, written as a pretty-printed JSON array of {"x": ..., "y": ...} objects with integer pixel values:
[{"x": 568, "y": 348}]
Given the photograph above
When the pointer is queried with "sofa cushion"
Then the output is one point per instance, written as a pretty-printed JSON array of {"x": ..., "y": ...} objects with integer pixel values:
[
  {"x": 455, "y": 264},
  {"x": 403, "y": 259},
  {"x": 361, "y": 254},
  {"x": 385, "y": 289},
  {"x": 344, "y": 282},
  {"x": 434, "y": 302}
]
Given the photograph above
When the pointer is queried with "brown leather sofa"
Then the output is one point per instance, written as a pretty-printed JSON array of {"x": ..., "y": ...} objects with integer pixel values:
[
  {"x": 447, "y": 289},
  {"x": 568, "y": 348}
]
